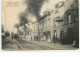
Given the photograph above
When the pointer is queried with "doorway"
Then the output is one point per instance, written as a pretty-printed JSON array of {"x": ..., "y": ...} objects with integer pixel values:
[
  {"x": 62, "y": 37},
  {"x": 54, "y": 36},
  {"x": 70, "y": 36}
]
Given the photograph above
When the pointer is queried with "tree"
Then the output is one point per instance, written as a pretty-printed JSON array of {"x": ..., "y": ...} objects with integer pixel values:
[
  {"x": 17, "y": 26},
  {"x": 23, "y": 19}
]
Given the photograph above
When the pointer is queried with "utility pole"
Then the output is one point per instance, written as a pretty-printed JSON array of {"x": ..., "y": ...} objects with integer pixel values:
[{"x": 5, "y": 19}]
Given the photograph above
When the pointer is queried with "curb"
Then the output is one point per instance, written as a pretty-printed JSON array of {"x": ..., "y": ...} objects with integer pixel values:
[{"x": 18, "y": 44}]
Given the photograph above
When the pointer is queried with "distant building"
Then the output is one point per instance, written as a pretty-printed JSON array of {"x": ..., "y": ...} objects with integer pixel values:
[
  {"x": 35, "y": 31},
  {"x": 44, "y": 25},
  {"x": 24, "y": 32}
]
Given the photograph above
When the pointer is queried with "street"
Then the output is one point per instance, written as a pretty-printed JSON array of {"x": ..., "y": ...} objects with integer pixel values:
[
  {"x": 41, "y": 25},
  {"x": 27, "y": 45}
]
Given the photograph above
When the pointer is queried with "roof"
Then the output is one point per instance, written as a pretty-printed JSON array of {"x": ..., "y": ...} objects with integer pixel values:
[{"x": 46, "y": 15}]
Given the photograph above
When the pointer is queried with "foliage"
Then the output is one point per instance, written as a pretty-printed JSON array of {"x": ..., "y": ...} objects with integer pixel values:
[
  {"x": 23, "y": 19},
  {"x": 17, "y": 26},
  {"x": 7, "y": 34}
]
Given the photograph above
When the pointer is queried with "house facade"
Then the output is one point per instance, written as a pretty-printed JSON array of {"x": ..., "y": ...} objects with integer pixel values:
[
  {"x": 55, "y": 24},
  {"x": 34, "y": 32},
  {"x": 71, "y": 24},
  {"x": 44, "y": 27}
]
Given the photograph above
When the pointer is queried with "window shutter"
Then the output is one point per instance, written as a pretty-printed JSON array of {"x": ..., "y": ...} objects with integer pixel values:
[{"x": 73, "y": 17}]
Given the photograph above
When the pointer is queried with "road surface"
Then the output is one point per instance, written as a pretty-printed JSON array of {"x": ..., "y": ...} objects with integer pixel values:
[{"x": 27, "y": 45}]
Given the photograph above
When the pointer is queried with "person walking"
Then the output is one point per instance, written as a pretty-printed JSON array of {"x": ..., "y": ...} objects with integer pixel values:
[{"x": 49, "y": 39}]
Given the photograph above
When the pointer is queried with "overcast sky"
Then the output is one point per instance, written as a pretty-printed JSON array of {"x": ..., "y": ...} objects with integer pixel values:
[
  {"x": 36, "y": 9},
  {"x": 48, "y": 5},
  {"x": 11, "y": 13}
]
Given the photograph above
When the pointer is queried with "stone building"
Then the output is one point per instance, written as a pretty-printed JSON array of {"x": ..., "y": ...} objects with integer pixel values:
[
  {"x": 66, "y": 22},
  {"x": 44, "y": 25},
  {"x": 53, "y": 23},
  {"x": 71, "y": 24}
]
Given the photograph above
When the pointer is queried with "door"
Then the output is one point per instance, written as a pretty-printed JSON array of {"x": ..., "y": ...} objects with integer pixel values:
[
  {"x": 55, "y": 36},
  {"x": 70, "y": 36},
  {"x": 62, "y": 37}
]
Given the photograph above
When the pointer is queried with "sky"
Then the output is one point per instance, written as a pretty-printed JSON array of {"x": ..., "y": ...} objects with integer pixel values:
[
  {"x": 48, "y": 5},
  {"x": 35, "y": 9},
  {"x": 11, "y": 13}
]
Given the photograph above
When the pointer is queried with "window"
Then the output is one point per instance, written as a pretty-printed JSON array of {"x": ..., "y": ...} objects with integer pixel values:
[
  {"x": 62, "y": 34},
  {"x": 40, "y": 26},
  {"x": 69, "y": 19},
  {"x": 56, "y": 24},
  {"x": 48, "y": 22},
  {"x": 43, "y": 24}
]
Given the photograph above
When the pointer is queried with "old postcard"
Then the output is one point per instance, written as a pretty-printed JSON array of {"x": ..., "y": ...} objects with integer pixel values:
[{"x": 40, "y": 24}]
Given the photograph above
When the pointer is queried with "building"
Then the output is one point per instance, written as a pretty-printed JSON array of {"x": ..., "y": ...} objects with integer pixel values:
[
  {"x": 71, "y": 24},
  {"x": 44, "y": 26},
  {"x": 24, "y": 32},
  {"x": 35, "y": 31},
  {"x": 55, "y": 24},
  {"x": 66, "y": 22}
]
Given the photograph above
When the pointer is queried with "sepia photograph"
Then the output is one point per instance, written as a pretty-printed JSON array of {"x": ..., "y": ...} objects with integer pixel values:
[{"x": 39, "y": 25}]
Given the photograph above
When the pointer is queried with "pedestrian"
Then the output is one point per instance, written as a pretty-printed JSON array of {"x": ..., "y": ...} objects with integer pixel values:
[
  {"x": 37, "y": 38},
  {"x": 49, "y": 39}
]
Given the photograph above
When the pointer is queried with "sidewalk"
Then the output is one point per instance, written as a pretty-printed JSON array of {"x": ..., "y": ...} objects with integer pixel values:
[
  {"x": 56, "y": 46},
  {"x": 9, "y": 44}
]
